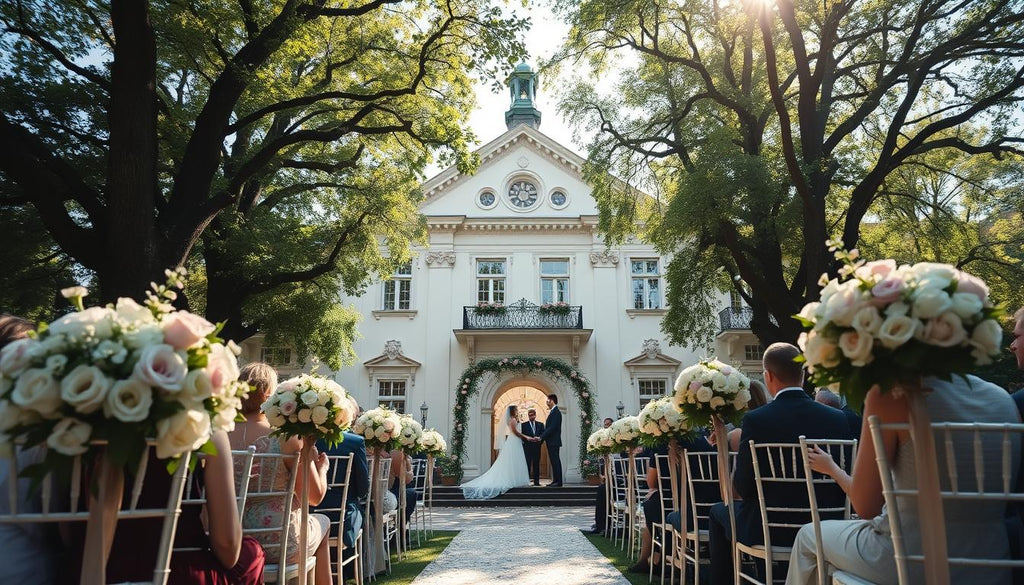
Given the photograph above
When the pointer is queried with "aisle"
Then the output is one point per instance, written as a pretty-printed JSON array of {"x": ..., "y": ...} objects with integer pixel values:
[{"x": 525, "y": 546}]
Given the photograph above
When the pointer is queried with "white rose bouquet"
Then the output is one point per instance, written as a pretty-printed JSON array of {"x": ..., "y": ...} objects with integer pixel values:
[
  {"x": 711, "y": 388},
  {"x": 411, "y": 434},
  {"x": 123, "y": 373},
  {"x": 309, "y": 405},
  {"x": 381, "y": 428},
  {"x": 432, "y": 442},
  {"x": 661, "y": 422},
  {"x": 600, "y": 442},
  {"x": 879, "y": 323},
  {"x": 625, "y": 434}
]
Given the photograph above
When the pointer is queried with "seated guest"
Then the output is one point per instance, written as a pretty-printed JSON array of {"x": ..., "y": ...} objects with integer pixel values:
[
  {"x": 790, "y": 414},
  {"x": 358, "y": 488},
  {"x": 607, "y": 422},
  {"x": 758, "y": 398},
  {"x": 27, "y": 551},
  {"x": 263, "y": 512},
  {"x": 973, "y": 529},
  {"x": 830, "y": 398},
  {"x": 401, "y": 475}
]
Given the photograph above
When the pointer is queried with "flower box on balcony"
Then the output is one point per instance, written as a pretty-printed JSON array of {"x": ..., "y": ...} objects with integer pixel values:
[
  {"x": 554, "y": 309},
  {"x": 489, "y": 309}
]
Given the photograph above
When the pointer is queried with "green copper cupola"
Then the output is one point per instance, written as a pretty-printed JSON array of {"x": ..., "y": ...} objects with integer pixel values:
[{"x": 523, "y": 91}]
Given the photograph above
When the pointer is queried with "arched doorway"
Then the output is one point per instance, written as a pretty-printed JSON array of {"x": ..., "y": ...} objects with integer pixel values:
[{"x": 525, "y": 394}]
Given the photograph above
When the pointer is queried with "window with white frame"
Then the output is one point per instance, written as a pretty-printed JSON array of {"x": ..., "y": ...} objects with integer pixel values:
[
  {"x": 490, "y": 281},
  {"x": 735, "y": 300},
  {"x": 398, "y": 290},
  {"x": 646, "y": 283},
  {"x": 650, "y": 390},
  {"x": 276, "y": 356},
  {"x": 391, "y": 393},
  {"x": 554, "y": 280},
  {"x": 753, "y": 352}
]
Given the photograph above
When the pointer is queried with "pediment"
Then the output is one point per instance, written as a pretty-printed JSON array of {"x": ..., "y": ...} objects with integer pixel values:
[
  {"x": 658, "y": 360},
  {"x": 399, "y": 361}
]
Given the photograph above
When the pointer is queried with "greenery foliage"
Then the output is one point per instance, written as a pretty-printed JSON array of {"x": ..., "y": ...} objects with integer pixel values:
[
  {"x": 468, "y": 386},
  {"x": 450, "y": 466}
]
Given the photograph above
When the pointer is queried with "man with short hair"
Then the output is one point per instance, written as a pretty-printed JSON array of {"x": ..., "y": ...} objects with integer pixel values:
[
  {"x": 830, "y": 398},
  {"x": 790, "y": 414},
  {"x": 552, "y": 437},
  {"x": 532, "y": 428},
  {"x": 608, "y": 422}
]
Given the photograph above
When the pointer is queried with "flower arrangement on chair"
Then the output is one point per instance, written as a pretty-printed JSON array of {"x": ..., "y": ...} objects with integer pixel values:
[
  {"x": 409, "y": 438},
  {"x": 661, "y": 423},
  {"x": 710, "y": 389},
  {"x": 381, "y": 428},
  {"x": 310, "y": 405},
  {"x": 432, "y": 443}
]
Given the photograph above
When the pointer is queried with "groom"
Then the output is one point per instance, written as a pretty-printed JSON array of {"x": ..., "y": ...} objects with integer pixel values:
[
  {"x": 531, "y": 448},
  {"x": 552, "y": 437}
]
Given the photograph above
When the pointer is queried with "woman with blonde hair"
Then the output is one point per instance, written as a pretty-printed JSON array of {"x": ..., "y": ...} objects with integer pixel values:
[{"x": 261, "y": 512}]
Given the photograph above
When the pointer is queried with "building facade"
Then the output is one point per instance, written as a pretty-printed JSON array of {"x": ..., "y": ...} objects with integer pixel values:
[{"x": 521, "y": 233}]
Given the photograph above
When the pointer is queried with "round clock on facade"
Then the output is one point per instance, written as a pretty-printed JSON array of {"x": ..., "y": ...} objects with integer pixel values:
[{"x": 522, "y": 194}]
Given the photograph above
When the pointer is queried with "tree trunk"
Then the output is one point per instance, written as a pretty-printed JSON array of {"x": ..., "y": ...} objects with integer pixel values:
[{"x": 130, "y": 245}]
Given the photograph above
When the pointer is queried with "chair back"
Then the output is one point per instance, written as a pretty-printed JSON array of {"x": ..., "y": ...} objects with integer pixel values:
[
  {"x": 701, "y": 486},
  {"x": 419, "y": 476},
  {"x": 844, "y": 453},
  {"x": 978, "y": 467},
  {"x": 619, "y": 483},
  {"x": 667, "y": 495},
  {"x": 640, "y": 487},
  {"x": 65, "y": 500},
  {"x": 195, "y": 492},
  {"x": 264, "y": 487},
  {"x": 779, "y": 476},
  {"x": 339, "y": 473}
]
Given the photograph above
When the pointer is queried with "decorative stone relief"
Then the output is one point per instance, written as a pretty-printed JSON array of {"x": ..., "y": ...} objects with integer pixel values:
[
  {"x": 604, "y": 258},
  {"x": 441, "y": 259},
  {"x": 523, "y": 162},
  {"x": 393, "y": 348},
  {"x": 652, "y": 348}
]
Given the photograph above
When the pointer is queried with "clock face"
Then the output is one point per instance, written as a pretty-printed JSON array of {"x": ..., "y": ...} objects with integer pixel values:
[{"x": 522, "y": 194}]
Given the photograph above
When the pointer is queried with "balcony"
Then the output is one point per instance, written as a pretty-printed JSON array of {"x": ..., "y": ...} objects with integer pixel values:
[
  {"x": 522, "y": 315},
  {"x": 730, "y": 319}
]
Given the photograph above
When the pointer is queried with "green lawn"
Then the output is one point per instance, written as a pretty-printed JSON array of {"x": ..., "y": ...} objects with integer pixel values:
[
  {"x": 414, "y": 561},
  {"x": 618, "y": 557}
]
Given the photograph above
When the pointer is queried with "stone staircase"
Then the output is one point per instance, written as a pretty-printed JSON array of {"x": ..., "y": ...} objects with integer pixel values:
[{"x": 570, "y": 495}]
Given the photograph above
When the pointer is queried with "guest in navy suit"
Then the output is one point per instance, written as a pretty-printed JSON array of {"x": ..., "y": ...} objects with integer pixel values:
[
  {"x": 358, "y": 488},
  {"x": 791, "y": 413},
  {"x": 532, "y": 428},
  {"x": 552, "y": 437}
]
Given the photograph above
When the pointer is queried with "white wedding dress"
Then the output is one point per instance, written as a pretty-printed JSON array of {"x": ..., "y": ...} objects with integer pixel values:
[{"x": 508, "y": 471}]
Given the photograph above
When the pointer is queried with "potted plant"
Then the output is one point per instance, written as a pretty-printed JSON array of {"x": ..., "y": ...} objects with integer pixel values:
[
  {"x": 489, "y": 309},
  {"x": 557, "y": 308},
  {"x": 451, "y": 470},
  {"x": 591, "y": 469}
]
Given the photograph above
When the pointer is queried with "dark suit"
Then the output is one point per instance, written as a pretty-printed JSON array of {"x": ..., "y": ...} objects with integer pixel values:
[
  {"x": 532, "y": 449},
  {"x": 552, "y": 437},
  {"x": 791, "y": 414},
  {"x": 359, "y": 487},
  {"x": 855, "y": 421}
]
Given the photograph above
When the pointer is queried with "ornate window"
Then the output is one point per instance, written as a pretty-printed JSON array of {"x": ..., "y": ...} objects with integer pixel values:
[
  {"x": 646, "y": 283},
  {"x": 276, "y": 356},
  {"x": 522, "y": 194},
  {"x": 554, "y": 280},
  {"x": 391, "y": 393},
  {"x": 735, "y": 301},
  {"x": 650, "y": 390},
  {"x": 559, "y": 199},
  {"x": 486, "y": 199},
  {"x": 490, "y": 281},
  {"x": 398, "y": 290},
  {"x": 753, "y": 352}
]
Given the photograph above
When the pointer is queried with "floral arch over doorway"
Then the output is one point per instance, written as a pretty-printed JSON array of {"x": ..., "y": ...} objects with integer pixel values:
[{"x": 561, "y": 371}]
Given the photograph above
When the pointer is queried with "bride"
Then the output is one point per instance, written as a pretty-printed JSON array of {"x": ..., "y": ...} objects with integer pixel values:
[{"x": 509, "y": 469}]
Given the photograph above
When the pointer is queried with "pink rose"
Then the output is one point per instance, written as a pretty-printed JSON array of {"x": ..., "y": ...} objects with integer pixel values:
[
  {"x": 726, "y": 370},
  {"x": 970, "y": 284},
  {"x": 222, "y": 367},
  {"x": 880, "y": 267},
  {"x": 463, "y": 391},
  {"x": 288, "y": 408},
  {"x": 161, "y": 366},
  {"x": 887, "y": 291},
  {"x": 183, "y": 329},
  {"x": 17, "y": 356},
  {"x": 695, "y": 385}
]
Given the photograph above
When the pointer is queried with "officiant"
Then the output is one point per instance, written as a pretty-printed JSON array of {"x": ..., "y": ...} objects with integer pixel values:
[{"x": 533, "y": 428}]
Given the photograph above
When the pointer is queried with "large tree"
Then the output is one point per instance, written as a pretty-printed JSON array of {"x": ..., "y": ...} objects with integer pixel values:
[
  {"x": 276, "y": 143},
  {"x": 761, "y": 129}
]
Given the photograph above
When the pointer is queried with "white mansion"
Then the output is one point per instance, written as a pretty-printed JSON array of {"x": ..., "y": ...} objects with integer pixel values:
[{"x": 521, "y": 232}]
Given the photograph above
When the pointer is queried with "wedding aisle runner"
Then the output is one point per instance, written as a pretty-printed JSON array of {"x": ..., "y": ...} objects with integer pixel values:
[{"x": 525, "y": 546}]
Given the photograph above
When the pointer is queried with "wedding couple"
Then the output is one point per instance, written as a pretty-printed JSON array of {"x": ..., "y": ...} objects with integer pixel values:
[{"x": 512, "y": 467}]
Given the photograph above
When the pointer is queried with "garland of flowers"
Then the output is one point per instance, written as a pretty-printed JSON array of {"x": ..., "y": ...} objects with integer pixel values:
[{"x": 468, "y": 382}]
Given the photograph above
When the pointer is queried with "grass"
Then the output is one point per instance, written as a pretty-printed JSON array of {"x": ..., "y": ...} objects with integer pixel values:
[
  {"x": 416, "y": 559},
  {"x": 617, "y": 557}
]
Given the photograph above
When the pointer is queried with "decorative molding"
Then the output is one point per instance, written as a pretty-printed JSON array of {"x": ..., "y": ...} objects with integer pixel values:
[
  {"x": 606, "y": 258},
  {"x": 576, "y": 350},
  {"x": 408, "y": 314},
  {"x": 392, "y": 348},
  {"x": 523, "y": 162},
  {"x": 441, "y": 259},
  {"x": 633, "y": 313},
  {"x": 471, "y": 348},
  {"x": 651, "y": 347}
]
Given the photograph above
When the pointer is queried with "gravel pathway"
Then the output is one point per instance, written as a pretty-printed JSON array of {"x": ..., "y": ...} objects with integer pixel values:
[{"x": 524, "y": 546}]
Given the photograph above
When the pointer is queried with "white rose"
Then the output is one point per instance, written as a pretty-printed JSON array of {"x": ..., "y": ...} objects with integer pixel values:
[
  {"x": 56, "y": 364},
  {"x": 323, "y": 396},
  {"x": 196, "y": 387},
  {"x": 16, "y": 356},
  {"x": 309, "y": 397},
  {"x": 128, "y": 401},
  {"x": 92, "y": 322},
  {"x": 897, "y": 309},
  {"x": 739, "y": 404},
  {"x": 704, "y": 394},
  {"x": 966, "y": 305},
  {"x": 320, "y": 414},
  {"x": 224, "y": 419},
  {"x": 305, "y": 415},
  {"x": 37, "y": 390},
  {"x": 930, "y": 302},
  {"x": 718, "y": 380},
  {"x": 830, "y": 289},
  {"x": 819, "y": 350},
  {"x": 161, "y": 366},
  {"x": 867, "y": 320},
  {"x": 187, "y": 430},
  {"x": 732, "y": 385},
  {"x": 52, "y": 344},
  {"x": 985, "y": 340},
  {"x": 286, "y": 397},
  {"x": 946, "y": 330},
  {"x": 856, "y": 346},
  {"x": 744, "y": 395},
  {"x": 809, "y": 310},
  {"x": 717, "y": 402},
  {"x": 10, "y": 416},
  {"x": 111, "y": 351},
  {"x": 933, "y": 275},
  {"x": 897, "y": 330},
  {"x": 144, "y": 335},
  {"x": 70, "y": 437},
  {"x": 85, "y": 388},
  {"x": 381, "y": 434},
  {"x": 130, "y": 313},
  {"x": 842, "y": 306}
]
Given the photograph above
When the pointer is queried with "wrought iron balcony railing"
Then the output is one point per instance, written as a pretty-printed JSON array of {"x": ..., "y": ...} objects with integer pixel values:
[
  {"x": 522, "y": 314},
  {"x": 730, "y": 319}
]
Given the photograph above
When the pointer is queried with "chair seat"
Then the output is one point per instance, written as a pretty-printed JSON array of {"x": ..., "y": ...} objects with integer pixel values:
[
  {"x": 779, "y": 553},
  {"x": 843, "y": 578},
  {"x": 270, "y": 571},
  {"x": 699, "y": 535}
]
